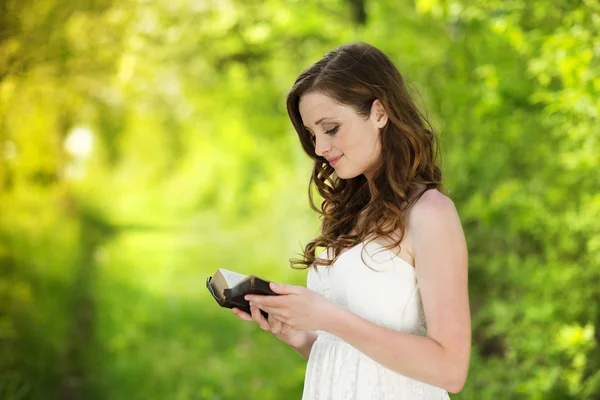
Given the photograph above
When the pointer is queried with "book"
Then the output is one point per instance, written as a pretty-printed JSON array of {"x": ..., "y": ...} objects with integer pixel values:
[{"x": 229, "y": 288}]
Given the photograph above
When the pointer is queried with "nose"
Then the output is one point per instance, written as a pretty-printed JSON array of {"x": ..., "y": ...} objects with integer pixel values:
[{"x": 322, "y": 146}]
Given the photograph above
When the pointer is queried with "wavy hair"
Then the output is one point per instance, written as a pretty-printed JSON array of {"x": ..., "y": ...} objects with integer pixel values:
[{"x": 355, "y": 75}]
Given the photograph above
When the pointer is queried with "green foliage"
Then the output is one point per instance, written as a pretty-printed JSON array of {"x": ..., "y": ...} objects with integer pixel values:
[{"x": 143, "y": 145}]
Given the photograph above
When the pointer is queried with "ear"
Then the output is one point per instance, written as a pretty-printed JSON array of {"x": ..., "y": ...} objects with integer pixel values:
[{"x": 378, "y": 114}]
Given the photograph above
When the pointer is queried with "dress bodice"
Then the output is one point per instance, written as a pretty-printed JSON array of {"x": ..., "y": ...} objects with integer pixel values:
[{"x": 376, "y": 284}]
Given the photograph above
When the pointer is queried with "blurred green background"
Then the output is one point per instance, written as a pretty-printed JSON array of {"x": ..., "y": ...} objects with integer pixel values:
[{"x": 145, "y": 144}]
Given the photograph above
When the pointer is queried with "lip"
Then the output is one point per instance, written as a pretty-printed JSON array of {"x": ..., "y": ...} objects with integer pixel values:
[{"x": 334, "y": 161}]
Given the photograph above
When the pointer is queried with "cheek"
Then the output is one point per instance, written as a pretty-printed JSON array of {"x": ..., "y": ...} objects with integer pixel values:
[
  {"x": 361, "y": 144},
  {"x": 343, "y": 144},
  {"x": 350, "y": 140},
  {"x": 371, "y": 142}
]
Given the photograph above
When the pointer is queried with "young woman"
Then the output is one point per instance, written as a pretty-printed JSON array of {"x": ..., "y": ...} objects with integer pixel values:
[{"x": 385, "y": 314}]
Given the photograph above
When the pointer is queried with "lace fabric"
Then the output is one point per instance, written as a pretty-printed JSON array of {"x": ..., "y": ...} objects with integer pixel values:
[{"x": 389, "y": 295}]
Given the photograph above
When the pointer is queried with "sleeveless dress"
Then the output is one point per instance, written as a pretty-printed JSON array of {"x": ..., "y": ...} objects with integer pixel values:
[{"x": 388, "y": 297}]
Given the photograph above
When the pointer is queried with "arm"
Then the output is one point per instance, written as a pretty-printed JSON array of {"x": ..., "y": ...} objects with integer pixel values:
[
  {"x": 300, "y": 340},
  {"x": 442, "y": 358},
  {"x": 305, "y": 347}
]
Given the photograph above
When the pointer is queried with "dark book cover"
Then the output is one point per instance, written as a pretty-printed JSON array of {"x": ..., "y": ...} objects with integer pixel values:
[{"x": 234, "y": 297}]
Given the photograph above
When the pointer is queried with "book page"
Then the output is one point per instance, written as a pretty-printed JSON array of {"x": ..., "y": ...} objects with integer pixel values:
[{"x": 232, "y": 278}]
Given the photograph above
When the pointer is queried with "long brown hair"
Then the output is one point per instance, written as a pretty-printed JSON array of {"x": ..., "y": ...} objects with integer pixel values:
[{"x": 355, "y": 75}]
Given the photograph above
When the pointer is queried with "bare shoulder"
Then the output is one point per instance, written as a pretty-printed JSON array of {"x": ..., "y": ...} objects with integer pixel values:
[
  {"x": 433, "y": 207},
  {"x": 431, "y": 214}
]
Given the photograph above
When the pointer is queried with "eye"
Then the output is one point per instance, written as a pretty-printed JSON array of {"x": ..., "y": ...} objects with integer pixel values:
[{"x": 332, "y": 131}]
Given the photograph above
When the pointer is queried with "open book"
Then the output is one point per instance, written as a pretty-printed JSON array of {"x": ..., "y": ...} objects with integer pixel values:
[{"x": 229, "y": 288}]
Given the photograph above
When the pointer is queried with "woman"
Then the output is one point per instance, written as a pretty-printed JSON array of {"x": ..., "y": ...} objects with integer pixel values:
[{"x": 385, "y": 314}]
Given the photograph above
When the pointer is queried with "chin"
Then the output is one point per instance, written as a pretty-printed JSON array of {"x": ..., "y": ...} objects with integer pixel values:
[{"x": 345, "y": 175}]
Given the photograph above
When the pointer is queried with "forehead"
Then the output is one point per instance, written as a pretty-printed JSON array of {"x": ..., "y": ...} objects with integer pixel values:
[{"x": 314, "y": 106}]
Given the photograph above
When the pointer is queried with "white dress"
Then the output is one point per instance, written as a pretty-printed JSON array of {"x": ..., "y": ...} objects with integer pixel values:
[{"x": 389, "y": 297}]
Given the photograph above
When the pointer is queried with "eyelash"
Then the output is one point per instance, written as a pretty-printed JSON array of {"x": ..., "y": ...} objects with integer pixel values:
[
  {"x": 332, "y": 131},
  {"x": 329, "y": 132}
]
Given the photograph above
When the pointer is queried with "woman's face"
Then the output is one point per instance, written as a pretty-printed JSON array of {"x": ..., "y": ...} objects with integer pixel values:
[{"x": 348, "y": 141}]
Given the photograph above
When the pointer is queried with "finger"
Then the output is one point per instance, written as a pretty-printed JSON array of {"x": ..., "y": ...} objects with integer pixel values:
[
  {"x": 266, "y": 301},
  {"x": 258, "y": 318},
  {"x": 275, "y": 324},
  {"x": 268, "y": 310},
  {"x": 286, "y": 329},
  {"x": 282, "y": 288},
  {"x": 241, "y": 314},
  {"x": 276, "y": 317},
  {"x": 261, "y": 300}
]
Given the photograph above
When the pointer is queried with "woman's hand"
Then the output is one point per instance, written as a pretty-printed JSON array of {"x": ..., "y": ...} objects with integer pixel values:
[
  {"x": 298, "y": 307},
  {"x": 282, "y": 331}
]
